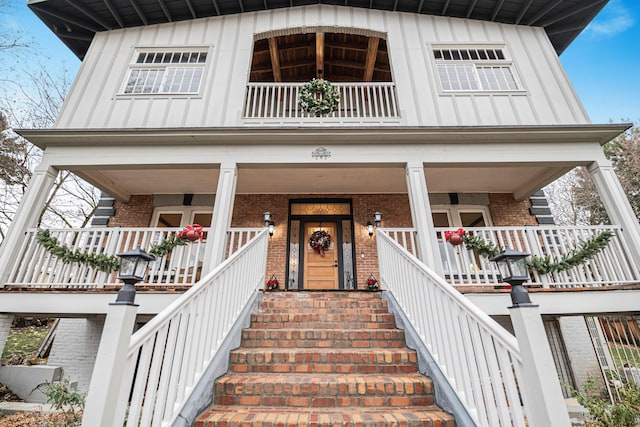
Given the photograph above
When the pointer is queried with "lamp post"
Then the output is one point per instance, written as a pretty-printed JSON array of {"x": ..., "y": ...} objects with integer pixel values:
[
  {"x": 515, "y": 271},
  {"x": 108, "y": 376},
  {"x": 133, "y": 267},
  {"x": 542, "y": 390},
  {"x": 267, "y": 219}
]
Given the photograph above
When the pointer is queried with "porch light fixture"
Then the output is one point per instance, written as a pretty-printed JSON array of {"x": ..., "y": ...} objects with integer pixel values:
[
  {"x": 267, "y": 219},
  {"x": 515, "y": 271},
  {"x": 369, "y": 228},
  {"x": 133, "y": 267},
  {"x": 377, "y": 217},
  {"x": 272, "y": 228}
]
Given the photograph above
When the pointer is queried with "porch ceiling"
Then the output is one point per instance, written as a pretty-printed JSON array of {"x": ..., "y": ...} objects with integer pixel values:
[{"x": 302, "y": 179}]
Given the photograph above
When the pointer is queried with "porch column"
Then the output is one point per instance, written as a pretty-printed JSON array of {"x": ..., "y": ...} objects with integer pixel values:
[
  {"x": 216, "y": 248},
  {"x": 27, "y": 216},
  {"x": 421, "y": 216},
  {"x": 616, "y": 204}
]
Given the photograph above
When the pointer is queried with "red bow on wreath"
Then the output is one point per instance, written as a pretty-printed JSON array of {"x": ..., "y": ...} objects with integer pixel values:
[
  {"x": 192, "y": 232},
  {"x": 454, "y": 237}
]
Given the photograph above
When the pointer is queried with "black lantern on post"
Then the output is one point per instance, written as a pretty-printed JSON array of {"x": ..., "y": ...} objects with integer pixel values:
[
  {"x": 133, "y": 267},
  {"x": 377, "y": 217},
  {"x": 515, "y": 271}
]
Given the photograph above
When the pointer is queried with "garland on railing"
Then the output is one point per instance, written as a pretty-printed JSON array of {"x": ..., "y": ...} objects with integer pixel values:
[
  {"x": 544, "y": 265},
  {"x": 111, "y": 263},
  {"x": 101, "y": 262}
]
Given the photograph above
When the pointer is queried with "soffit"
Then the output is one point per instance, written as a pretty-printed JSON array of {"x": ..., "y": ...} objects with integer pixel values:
[{"x": 75, "y": 22}]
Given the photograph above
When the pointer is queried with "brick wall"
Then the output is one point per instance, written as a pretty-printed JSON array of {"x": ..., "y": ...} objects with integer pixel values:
[
  {"x": 506, "y": 211},
  {"x": 75, "y": 348},
  {"x": 136, "y": 212}
]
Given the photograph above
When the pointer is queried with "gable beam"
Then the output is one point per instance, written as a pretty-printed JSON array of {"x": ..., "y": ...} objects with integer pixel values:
[
  {"x": 136, "y": 7},
  {"x": 64, "y": 19},
  {"x": 90, "y": 14},
  {"x": 114, "y": 13},
  {"x": 496, "y": 10},
  {"x": 561, "y": 16},
  {"x": 548, "y": 8},
  {"x": 241, "y": 6},
  {"x": 523, "y": 12},
  {"x": 191, "y": 9},
  {"x": 372, "y": 52},
  {"x": 445, "y": 7},
  {"x": 319, "y": 55},
  {"x": 471, "y": 7},
  {"x": 275, "y": 59},
  {"x": 163, "y": 6},
  {"x": 216, "y": 7}
]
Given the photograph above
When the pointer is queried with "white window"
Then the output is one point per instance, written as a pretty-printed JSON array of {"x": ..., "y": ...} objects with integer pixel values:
[
  {"x": 174, "y": 72},
  {"x": 474, "y": 70}
]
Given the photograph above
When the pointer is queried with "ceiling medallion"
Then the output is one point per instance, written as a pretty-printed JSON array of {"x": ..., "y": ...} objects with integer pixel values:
[{"x": 321, "y": 153}]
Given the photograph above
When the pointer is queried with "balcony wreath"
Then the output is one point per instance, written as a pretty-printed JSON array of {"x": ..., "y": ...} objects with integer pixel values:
[
  {"x": 111, "y": 263},
  {"x": 320, "y": 241},
  {"x": 319, "y": 97}
]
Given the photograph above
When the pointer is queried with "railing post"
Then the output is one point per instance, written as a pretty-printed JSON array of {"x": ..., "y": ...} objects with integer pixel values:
[
  {"x": 108, "y": 372},
  {"x": 536, "y": 249},
  {"x": 542, "y": 391}
]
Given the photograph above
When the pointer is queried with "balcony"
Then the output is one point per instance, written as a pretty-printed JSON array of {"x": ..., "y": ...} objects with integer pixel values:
[
  {"x": 463, "y": 267},
  {"x": 277, "y": 103},
  {"x": 35, "y": 267}
]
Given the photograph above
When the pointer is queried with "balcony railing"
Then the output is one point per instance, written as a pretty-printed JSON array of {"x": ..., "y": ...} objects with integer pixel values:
[
  {"x": 611, "y": 266},
  {"x": 36, "y": 267},
  {"x": 371, "y": 102}
]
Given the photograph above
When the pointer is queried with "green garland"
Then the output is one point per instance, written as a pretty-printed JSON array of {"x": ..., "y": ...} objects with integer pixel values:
[
  {"x": 544, "y": 265},
  {"x": 102, "y": 262},
  {"x": 319, "y": 97}
]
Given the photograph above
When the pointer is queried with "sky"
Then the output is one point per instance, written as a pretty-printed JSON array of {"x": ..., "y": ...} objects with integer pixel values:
[{"x": 603, "y": 63}]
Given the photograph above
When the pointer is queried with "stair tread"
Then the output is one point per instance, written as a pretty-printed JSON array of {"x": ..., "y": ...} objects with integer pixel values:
[{"x": 344, "y": 416}]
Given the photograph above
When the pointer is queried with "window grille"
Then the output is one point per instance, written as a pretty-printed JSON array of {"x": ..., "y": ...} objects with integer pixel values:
[
  {"x": 474, "y": 70},
  {"x": 166, "y": 72}
]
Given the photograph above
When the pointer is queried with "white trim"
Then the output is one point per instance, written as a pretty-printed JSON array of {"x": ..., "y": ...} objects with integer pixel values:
[
  {"x": 453, "y": 213},
  {"x": 187, "y": 212}
]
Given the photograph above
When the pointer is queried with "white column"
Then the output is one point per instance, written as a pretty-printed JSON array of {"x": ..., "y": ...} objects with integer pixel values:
[
  {"x": 103, "y": 408},
  {"x": 421, "y": 216},
  {"x": 542, "y": 390},
  {"x": 27, "y": 216},
  {"x": 216, "y": 248},
  {"x": 616, "y": 203}
]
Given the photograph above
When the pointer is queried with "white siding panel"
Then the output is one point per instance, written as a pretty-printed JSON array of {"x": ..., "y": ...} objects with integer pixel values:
[{"x": 547, "y": 97}]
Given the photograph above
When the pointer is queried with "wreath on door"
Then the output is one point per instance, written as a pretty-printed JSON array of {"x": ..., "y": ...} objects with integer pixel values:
[{"x": 320, "y": 241}]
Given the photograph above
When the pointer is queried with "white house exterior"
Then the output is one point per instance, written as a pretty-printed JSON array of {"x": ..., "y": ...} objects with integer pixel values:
[{"x": 187, "y": 112}]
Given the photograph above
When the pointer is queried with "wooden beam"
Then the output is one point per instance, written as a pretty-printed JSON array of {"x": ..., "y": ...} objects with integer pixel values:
[
  {"x": 275, "y": 59},
  {"x": 372, "y": 53},
  {"x": 319, "y": 55}
]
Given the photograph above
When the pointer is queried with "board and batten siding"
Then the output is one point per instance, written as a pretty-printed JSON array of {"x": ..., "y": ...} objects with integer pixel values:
[{"x": 547, "y": 97}]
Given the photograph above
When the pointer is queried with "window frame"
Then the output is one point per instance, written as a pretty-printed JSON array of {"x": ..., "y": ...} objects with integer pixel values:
[
  {"x": 501, "y": 59},
  {"x": 164, "y": 67}
]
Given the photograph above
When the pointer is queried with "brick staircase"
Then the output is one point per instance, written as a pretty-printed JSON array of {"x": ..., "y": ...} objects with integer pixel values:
[{"x": 323, "y": 359}]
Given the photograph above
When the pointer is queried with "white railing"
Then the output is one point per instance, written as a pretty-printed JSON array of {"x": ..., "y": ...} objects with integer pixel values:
[
  {"x": 480, "y": 358},
  {"x": 612, "y": 266},
  {"x": 36, "y": 267},
  {"x": 357, "y": 101},
  {"x": 168, "y": 355}
]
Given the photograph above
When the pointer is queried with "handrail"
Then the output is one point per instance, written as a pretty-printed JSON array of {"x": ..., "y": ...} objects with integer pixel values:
[
  {"x": 480, "y": 358},
  {"x": 168, "y": 356}
]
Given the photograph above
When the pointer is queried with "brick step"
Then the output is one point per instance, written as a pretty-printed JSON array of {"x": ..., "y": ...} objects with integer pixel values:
[
  {"x": 319, "y": 360},
  {"x": 313, "y": 304},
  {"x": 359, "y": 295},
  {"x": 339, "y": 320},
  {"x": 304, "y": 390},
  {"x": 219, "y": 416},
  {"x": 332, "y": 338},
  {"x": 338, "y": 310}
]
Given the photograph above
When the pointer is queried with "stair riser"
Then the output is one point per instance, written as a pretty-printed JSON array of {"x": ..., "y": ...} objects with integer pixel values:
[
  {"x": 287, "y": 306},
  {"x": 318, "y": 368},
  {"x": 312, "y": 334},
  {"x": 341, "y": 317},
  {"x": 332, "y": 356},
  {"x": 322, "y": 325},
  {"x": 325, "y": 402}
]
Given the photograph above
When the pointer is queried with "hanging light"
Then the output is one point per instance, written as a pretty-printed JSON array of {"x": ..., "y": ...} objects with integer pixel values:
[
  {"x": 272, "y": 228},
  {"x": 377, "y": 217},
  {"x": 369, "y": 228}
]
